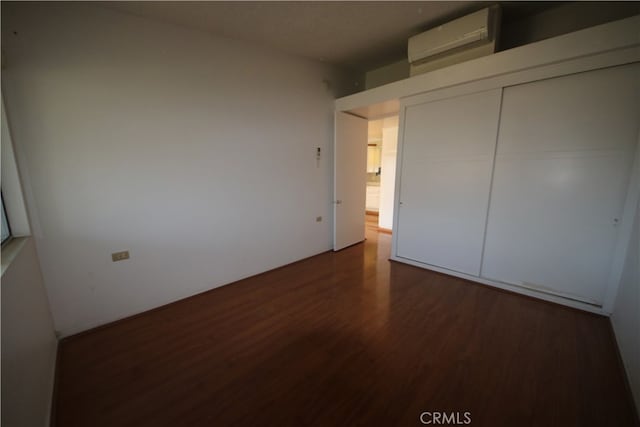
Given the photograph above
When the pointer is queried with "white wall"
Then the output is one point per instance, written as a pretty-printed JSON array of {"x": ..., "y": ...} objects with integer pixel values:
[
  {"x": 388, "y": 172},
  {"x": 28, "y": 342},
  {"x": 196, "y": 153},
  {"x": 626, "y": 313},
  {"x": 389, "y": 73}
]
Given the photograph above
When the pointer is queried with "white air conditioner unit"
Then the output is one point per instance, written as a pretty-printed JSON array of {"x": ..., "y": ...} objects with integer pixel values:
[{"x": 465, "y": 38}]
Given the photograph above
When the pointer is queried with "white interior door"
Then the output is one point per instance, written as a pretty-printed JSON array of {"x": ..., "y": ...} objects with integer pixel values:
[
  {"x": 447, "y": 158},
  {"x": 561, "y": 175},
  {"x": 350, "y": 180}
]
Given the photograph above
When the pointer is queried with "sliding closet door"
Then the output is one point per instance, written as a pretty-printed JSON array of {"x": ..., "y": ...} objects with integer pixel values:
[
  {"x": 447, "y": 155},
  {"x": 564, "y": 155}
]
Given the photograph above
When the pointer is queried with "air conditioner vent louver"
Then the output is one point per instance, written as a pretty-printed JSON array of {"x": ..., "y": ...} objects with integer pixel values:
[{"x": 477, "y": 31}]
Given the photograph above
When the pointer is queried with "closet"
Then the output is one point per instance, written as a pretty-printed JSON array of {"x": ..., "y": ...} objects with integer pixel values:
[
  {"x": 521, "y": 185},
  {"x": 447, "y": 153}
]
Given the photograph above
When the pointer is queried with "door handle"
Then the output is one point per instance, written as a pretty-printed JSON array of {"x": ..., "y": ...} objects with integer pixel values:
[{"x": 338, "y": 202}]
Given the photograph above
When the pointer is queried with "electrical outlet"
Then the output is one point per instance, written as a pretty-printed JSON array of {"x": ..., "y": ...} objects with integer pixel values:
[
  {"x": 119, "y": 256},
  {"x": 318, "y": 219}
]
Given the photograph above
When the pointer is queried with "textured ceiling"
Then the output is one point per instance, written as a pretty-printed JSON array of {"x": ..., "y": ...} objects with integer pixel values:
[{"x": 357, "y": 35}]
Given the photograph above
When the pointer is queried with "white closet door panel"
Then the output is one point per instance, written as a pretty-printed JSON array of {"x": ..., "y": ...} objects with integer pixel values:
[
  {"x": 447, "y": 156},
  {"x": 595, "y": 110},
  {"x": 562, "y": 167}
]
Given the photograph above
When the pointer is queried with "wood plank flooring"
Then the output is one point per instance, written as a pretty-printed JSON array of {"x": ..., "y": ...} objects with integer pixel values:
[{"x": 345, "y": 339}]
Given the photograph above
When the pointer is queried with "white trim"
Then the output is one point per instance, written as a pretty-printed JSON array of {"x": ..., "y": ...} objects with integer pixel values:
[
  {"x": 624, "y": 234},
  {"x": 396, "y": 191},
  {"x": 605, "y": 60},
  {"x": 506, "y": 286},
  {"x": 610, "y": 37},
  {"x": 493, "y": 174}
]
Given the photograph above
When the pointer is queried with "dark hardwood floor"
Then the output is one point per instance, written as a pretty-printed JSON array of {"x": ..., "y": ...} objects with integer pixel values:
[{"x": 345, "y": 339}]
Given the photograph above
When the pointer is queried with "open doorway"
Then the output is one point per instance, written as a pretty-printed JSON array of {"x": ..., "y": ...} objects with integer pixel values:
[
  {"x": 382, "y": 144},
  {"x": 350, "y": 171}
]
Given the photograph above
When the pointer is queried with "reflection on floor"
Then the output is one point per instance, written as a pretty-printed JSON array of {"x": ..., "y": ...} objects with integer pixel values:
[
  {"x": 345, "y": 339},
  {"x": 371, "y": 223}
]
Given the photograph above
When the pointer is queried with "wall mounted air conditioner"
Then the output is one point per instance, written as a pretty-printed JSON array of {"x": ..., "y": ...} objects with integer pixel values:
[{"x": 460, "y": 40}]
